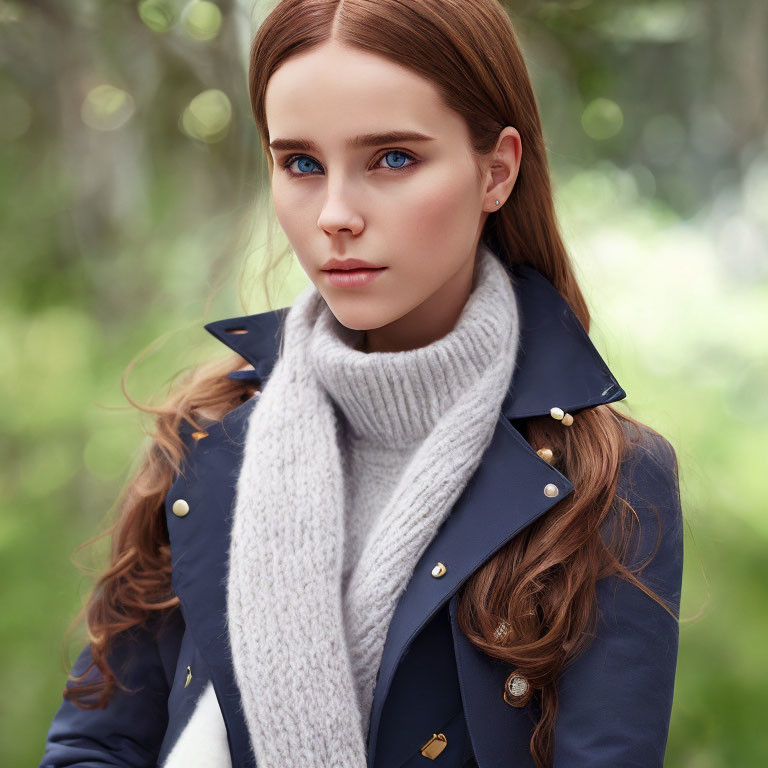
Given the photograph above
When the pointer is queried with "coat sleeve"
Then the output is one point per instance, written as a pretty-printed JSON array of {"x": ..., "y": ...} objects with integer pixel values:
[
  {"x": 130, "y": 730},
  {"x": 615, "y": 699}
]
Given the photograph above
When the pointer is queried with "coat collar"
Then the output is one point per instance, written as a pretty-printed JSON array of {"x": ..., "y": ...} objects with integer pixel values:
[{"x": 557, "y": 366}]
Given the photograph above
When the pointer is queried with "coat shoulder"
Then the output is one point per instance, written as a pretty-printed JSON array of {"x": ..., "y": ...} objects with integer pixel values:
[
  {"x": 650, "y": 453},
  {"x": 649, "y": 492}
]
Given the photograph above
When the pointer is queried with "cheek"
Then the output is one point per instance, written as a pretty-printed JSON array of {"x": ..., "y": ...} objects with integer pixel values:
[
  {"x": 292, "y": 217},
  {"x": 284, "y": 212},
  {"x": 443, "y": 209},
  {"x": 441, "y": 221}
]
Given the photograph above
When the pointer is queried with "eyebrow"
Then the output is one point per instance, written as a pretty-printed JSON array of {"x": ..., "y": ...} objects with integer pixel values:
[{"x": 356, "y": 142}]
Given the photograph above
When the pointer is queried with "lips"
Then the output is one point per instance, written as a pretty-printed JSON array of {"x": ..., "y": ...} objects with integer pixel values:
[
  {"x": 347, "y": 265},
  {"x": 350, "y": 278}
]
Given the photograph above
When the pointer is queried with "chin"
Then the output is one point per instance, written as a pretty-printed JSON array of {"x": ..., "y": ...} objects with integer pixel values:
[
  {"x": 358, "y": 324},
  {"x": 357, "y": 318}
]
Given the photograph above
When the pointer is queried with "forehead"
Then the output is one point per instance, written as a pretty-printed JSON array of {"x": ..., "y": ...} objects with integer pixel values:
[{"x": 335, "y": 91}]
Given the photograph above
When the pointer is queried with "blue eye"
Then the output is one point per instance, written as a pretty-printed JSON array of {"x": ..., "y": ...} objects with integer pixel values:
[
  {"x": 398, "y": 154},
  {"x": 305, "y": 163}
]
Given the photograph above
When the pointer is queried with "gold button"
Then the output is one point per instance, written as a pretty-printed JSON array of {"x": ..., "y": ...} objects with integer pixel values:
[
  {"x": 517, "y": 690},
  {"x": 439, "y": 570},
  {"x": 556, "y": 413},
  {"x": 434, "y": 746},
  {"x": 546, "y": 454},
  {"x": 180, "y": 507},
  {"x": 567, "y": 419},
  {"x": 189, "y": 676},
  {"x": 550, "y": 489}
]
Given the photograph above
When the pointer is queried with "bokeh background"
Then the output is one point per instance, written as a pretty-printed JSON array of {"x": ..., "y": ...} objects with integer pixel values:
[{"x": 133, "y": 210}]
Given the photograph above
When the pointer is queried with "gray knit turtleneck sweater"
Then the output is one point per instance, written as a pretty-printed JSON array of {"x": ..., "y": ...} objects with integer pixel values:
[{"x": 390, "y": 401}]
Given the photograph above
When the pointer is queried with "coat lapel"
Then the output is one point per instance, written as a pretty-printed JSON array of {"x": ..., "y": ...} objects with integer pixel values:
[
  {"x": 505, "y": 494},
  {"x": 557, "y": 366}
]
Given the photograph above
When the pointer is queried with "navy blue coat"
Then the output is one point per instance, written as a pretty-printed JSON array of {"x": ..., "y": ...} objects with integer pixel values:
[{"x": 615, "y": 699}]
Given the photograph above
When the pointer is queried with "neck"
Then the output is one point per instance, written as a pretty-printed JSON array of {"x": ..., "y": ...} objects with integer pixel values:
[
  {"x": 429, "y": 321},
  {"x": 395, "y": 398}
]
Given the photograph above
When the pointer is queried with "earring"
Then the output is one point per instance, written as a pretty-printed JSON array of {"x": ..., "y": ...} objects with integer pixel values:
[{"x": 496, "y": 201}]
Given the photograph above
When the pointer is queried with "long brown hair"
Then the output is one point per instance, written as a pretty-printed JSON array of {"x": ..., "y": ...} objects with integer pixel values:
[{"x": 542, "y": 582}]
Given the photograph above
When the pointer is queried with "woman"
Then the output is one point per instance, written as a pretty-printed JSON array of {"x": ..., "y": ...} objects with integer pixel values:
[{"x": 402, "y": 522}]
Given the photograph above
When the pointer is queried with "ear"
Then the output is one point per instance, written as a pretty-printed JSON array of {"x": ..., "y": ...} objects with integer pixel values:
[{"x": 503, "y": 168}]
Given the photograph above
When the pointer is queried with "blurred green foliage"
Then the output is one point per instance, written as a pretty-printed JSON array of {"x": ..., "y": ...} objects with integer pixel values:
[{"x": 131, "y": 181}]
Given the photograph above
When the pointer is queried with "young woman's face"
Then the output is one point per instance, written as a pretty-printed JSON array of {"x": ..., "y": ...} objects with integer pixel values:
[{"x": 412, "y": 205}]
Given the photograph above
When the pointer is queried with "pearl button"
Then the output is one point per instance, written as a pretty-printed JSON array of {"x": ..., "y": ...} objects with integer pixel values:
[
  {"x": 556, "y": 413},
  {"x": 439, "y": 570},
  {"x": 546, "y": 454},
  {"x": 180, "y": 508},
  {"x": 550, "y": 489}
]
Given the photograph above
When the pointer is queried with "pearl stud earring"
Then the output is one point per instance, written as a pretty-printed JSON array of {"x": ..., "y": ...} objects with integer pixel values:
[{"x": 496, "y": 201}]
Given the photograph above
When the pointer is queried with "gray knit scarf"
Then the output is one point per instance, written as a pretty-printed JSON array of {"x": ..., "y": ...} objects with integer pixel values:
[{"x": 306, "y": 652}]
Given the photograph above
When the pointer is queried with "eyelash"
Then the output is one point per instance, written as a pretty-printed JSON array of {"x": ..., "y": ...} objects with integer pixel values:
[{"x": 286, "y": 163}]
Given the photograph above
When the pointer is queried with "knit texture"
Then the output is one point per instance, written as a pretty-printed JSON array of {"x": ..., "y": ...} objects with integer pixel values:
[
  {"x": 387, "y": 403},
  {"x": 307, "y": 616}
]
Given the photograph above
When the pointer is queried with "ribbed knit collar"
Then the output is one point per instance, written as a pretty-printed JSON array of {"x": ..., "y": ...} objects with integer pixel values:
[{"x": 395, "y": 399}]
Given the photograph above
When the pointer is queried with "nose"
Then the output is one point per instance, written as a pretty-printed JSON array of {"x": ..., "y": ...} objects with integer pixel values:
[{"x": 337, "y": 215}]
